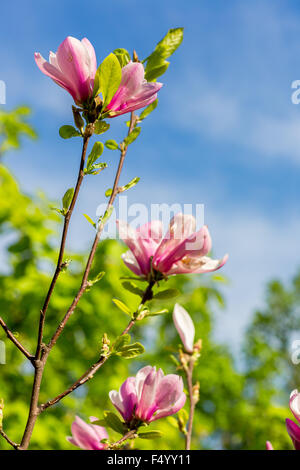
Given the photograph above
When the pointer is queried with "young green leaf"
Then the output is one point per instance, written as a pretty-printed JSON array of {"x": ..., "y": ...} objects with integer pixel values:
[
  {"x": 106, "y": 215},
  {"x": 88, "y": 218},
  {"x": 156, "y": 63},
  {"x": 111, "y": 144},
  {"x": 67, "y": 198},
  {"x": 129, "y": 185},
  {"x": 166, "y": 294},
  {"x": 109, "y": 74},
  {"x": 95, "y": 154},
  {"x": 114, "y": 422},
  {"x": 100, "y": 127},
  {"x": 158, "y": 312},
  {"x": 123, "y": 56},
  {"x": 157, "y": 67},
  {"x": 120, "y": 342},
  {"x": 150, "y": 435},
  {"x": 170, "y": 42},
  {"x": 131, "y": 350},
  {"x": 108, "y": 192},
  {"x": 122, "y": 306},
  {"x": 131, "y": 287},
  {"x": 95, "y": 169},
  {"x": 66, "y": 132},
  {"x": 132, "y": 136}
]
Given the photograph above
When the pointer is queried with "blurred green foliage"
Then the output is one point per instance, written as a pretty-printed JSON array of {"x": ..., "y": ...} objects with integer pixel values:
[{"x": 237, "y": 409}]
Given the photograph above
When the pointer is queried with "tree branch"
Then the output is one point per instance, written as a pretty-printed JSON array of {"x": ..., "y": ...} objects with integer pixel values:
[
  {"x": 17, "y": 343},
  {"x": 89, "y": 374},
  {"x": 59, "y": 264},
  {"x": 84, "y": 282},
  {"x": 42, "y": 352},
  {"x": 193, "y": 401},
  {"x": 12, "y": 443}
]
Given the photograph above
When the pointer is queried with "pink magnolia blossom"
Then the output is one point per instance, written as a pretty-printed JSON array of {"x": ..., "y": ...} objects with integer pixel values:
[
  {"x": 87, "y": 436},
  {"x": 181, "y": 250},
  {"x": 292, "y": 428},
  {"x": 149, "y": 396},
  {"x": 185, "y": 327},
  {"x": 134, "y": 91},
  {"x": 269, "y": 446},
  {"x": 73, "y": 67}
]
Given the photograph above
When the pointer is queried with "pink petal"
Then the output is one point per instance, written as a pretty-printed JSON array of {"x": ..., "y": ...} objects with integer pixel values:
[
  {"x": 132, "y": 78},
  {"x": 54, "y": 73},
  {"x": 84, "y": 435},
  {"x": 294, "y": 433},
  {"x": 269, "y": 446},
  {"x": 136, "y": 244},
  {"x": 171, "y": 410},
  {"x": 129, "y": 397},
  {"x": 92, "y": 56},
  {"x": 131, "y": 263},
  {"x": 189, "y": 265},
  {"x": 295, "y": 404},
  {"x": 74, "y": 62},
  {"x": 185, "y": 327}
]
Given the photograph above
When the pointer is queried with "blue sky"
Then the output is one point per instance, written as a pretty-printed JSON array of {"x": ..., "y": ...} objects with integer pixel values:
[{"x": 225, "y": 134}]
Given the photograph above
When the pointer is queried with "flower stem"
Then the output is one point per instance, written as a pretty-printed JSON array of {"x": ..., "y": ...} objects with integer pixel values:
[{"x": 189, "y": 376}]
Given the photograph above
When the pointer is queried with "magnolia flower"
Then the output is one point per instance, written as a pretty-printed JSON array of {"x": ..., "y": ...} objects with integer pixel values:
[
  {"x": 149, "y": 396},
  {"x": 87, "y": 436},
  {"x": 134, "y": 91},
  {"x": 73, "y": 67},
  {"x": 185, "y": 327},
  {"x": 292, "y": 428},
  {"x": 269, "y": 446},
  {"x": 181, "y": 250}
]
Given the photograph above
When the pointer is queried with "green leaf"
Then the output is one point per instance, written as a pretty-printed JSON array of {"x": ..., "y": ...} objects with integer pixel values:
[
  {"x": 108, "y": 192},
  {"x": 122, "y": 306},
  {"x": 123, "y": 56},
  {"x": 166, "y": 294},
  {"x": 106, "y": 215},
  {"x": 129, "y": 185},
  {"x": 88, "y": 218},
  {"x": 109, "y": 75},
  {"x": 170, "y": 42},
  {"x": 98, "y": 277},
  {"x": 156, "y": 68},
  {"x": 150, "y": 435},
  {"x": 120, "y": 342},
  {"x": 148, "y": 110},
  {"x": 96, "y": 152},
  {"x": 67, "y": 198},
  {"x": 66, "y": 132},
  {"x": 131, "y": 287},
  {"x": 100, "y": 127},
  {"x": 131, "y": 350},
  {"x": 114, "y": 422},
  {"x": 156, "y": 63},
  {"x": 158, "y": 312},
  {"x": 95, "y": 169},
  {"x": 132, "y": 136},
  {"x": 111, "y": 144}
]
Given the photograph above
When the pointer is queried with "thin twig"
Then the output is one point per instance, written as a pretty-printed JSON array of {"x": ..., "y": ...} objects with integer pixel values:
[
  {"x": 89, "y": 374},
  {"x": 17, "y": 343},
  {"x": 84, "y": 282},
  {"x": 129, "y": 435},
  {"x": 189, "y": 376},
  {"x": 59, "y": 265},
  {"x": 12, "y": 443},
  {"x": 42, "y": 352}
]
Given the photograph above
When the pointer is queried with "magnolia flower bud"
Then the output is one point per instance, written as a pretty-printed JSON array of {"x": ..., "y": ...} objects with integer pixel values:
[{"x": 185, "y": 327}]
